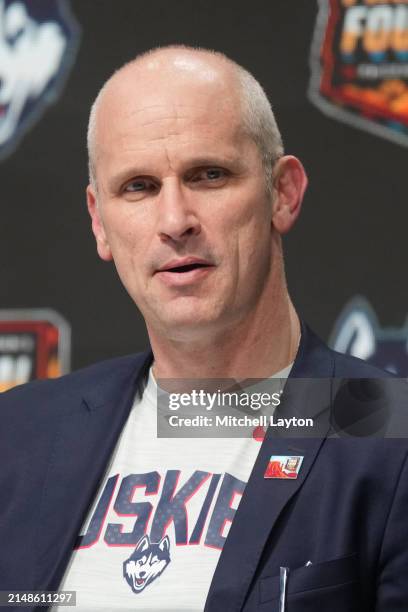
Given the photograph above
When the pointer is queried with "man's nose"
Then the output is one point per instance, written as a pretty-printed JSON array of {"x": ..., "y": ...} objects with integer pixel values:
[{"x": 176, "y": 217}]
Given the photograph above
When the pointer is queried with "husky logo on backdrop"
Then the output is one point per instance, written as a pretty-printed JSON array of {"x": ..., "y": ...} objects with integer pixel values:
[
  {"x": 146, "y": 563},
  {"x": 357, "y": 332},
  {"x": 359, "y": 65},
  {"x": 38, "y": 42}
]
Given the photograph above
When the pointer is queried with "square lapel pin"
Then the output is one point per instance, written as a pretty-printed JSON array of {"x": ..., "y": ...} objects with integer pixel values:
[{"x": 283, "y": 466}]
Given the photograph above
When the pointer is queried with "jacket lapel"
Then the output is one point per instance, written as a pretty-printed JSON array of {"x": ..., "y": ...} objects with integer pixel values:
[
  {"x": 264, "y": 499},
  {"x": 84, "y": 443}
]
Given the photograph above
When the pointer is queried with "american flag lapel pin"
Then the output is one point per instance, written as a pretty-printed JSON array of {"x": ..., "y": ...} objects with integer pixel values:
[{"x": 283, "y": 466}]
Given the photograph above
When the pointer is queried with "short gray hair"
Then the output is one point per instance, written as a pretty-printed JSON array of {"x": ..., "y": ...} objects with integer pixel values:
[{"x": 258, "y": 119}]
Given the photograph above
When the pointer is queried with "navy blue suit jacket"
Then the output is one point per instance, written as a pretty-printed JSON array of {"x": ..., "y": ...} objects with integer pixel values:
[{"x": 347, "y": 512}]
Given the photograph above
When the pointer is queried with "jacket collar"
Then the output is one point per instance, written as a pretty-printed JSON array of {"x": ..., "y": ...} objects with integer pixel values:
[
  {"x": 313, "y": 359},
  {"x": 128, "y": 372}
]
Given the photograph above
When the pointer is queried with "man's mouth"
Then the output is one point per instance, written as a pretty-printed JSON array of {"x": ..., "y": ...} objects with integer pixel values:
[
  {"x": 186, "y": 268},
  {"x": 185, "y": 264},
  {"x": 184, "y": 271}
]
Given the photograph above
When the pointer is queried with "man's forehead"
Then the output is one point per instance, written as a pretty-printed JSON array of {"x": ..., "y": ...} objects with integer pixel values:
[
  {"x": 153, "y": 112},
  {"x": 175, "y": 115},
  {"x": 140, "y": 95},
  {"x": 177, "y": 132}
]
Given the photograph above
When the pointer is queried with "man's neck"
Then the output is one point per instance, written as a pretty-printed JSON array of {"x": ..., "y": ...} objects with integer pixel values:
[{"x": 253, "y": 349}]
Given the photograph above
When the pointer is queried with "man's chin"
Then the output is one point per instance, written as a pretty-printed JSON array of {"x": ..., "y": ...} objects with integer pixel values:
[{"x": 186, "y": 324}]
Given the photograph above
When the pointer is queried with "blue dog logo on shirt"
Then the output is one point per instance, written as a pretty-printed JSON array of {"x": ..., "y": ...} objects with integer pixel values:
[{"x": 146, "y": 563}]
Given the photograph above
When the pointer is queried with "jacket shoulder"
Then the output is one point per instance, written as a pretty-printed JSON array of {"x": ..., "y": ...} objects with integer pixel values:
[
  {"x": 315, "y": 359},
  {"x": 352, "y": 367}
]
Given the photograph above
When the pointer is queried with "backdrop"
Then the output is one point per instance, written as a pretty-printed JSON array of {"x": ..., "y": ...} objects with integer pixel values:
[{"x": 346, "y": 258}]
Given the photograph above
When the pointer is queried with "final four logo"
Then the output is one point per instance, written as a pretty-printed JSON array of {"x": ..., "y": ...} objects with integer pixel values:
[
  {"x": 359, "y": 65},
  {"x": 38, "y": 41},
  {"x": 34, "y": 343}
]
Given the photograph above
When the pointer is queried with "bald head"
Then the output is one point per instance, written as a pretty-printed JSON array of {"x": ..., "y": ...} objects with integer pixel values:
[{"x": 163, "y": 74}]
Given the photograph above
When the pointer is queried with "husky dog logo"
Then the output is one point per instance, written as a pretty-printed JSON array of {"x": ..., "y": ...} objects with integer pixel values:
[
  {"x": 357, "y": 332},
  {"x": 38, "y": 42},
  {"x": 359, "y": 65},
  {"x": 146, "y": 563}
]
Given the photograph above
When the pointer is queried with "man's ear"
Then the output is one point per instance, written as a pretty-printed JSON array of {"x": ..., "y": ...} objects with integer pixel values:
[
  {"x": 289, "y": 185},
  {"x": 102, "y": 244}
]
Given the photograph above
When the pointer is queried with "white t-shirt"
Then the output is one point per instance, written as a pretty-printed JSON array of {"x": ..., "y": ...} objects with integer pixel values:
[{"x": 152, "y": 539}]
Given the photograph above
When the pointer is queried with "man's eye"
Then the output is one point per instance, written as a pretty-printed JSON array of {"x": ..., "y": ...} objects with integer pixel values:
[
  {"x": 138, "y": 185},
  {"x": 210, "y": 174},
  {"x": 214, "y": 173}
]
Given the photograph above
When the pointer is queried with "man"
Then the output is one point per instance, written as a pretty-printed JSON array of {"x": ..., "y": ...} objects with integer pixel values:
[{"x": 189, "y": 195}]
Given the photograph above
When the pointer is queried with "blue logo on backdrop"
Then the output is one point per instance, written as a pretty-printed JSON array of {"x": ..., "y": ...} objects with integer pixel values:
[
  {"x": 357, "y": 332},
  {"x": 38, "y": 44}
]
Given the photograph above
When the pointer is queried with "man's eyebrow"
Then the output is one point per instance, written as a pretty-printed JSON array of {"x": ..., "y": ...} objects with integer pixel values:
[{"x": 216, "y": 160}]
